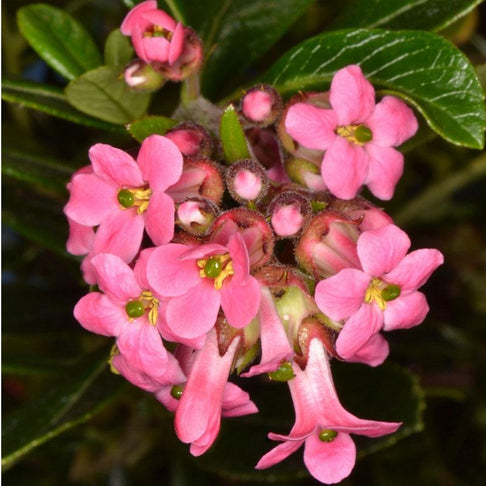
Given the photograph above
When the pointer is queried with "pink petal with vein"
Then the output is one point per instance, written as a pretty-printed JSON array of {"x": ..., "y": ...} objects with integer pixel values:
[
  {"x": 373, "y": 353},
  {"x": 159, "y": 218},
  {"x": 386, "y": 168},
  {"x": 405, "y": 312}
]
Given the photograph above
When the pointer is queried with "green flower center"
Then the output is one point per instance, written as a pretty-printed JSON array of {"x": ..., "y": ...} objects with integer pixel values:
[
  {"x": 125, "y": 198},
  {"x": 357, "y": 134},
  {"x": 381, "y": 292},
  {"x": 283, "y": 373},
  {"x": 135, "y": 309},
  {"x": 217, "y": 267},
  {"x": 327, "y": 435},
  {"x": 146, "y": 302},
  {"x": 391, "y": 292},
  {"x": 139, "y": 197}
]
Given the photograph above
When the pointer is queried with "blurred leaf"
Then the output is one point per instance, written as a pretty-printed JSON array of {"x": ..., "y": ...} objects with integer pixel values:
[
  {"x": 36, "y": 218},
  {"x": 50, "y": 100},
  {"x": 397, "y": 14},
  {"x": 88, "y": 387},
  {"x": 236, "y": 33},
  {"x": 420, "y": 67},
  {"x": 141, "y": 129},
  {"x": 40, "y": 172},
  {"x": 102, "y": 94},
  {"x": 232, "y": 136},
  {"x": 118, "y": 49},
  {"x": 384, "y": 393},
  {"x": 59, "y": 39}
]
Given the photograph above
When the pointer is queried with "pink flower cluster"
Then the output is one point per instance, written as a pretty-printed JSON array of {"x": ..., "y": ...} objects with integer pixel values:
[{"x": 181, "y": 246}]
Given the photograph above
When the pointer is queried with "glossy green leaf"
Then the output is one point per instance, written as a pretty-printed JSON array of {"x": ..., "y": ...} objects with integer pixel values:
[
  {"x": 40, "y": 172},
  {"x": 397, "y": 14},
  {"x": 118, "y": 49},
  {"x": 86, "y": 389},
  {"x": 422, "y": 68},
  {"x": 232, "y": 136},
  {"x": 59, "y": 39},
  {"x": 50, "y": 100},
  {"x": 236, "y": 33},
  {"x": 102, "y": 94},
  {"x": 141, "y": 129},
  {"x": 385, "y": 393}
]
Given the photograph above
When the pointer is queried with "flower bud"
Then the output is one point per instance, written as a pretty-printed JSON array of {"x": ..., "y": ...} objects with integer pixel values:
[
  {"x": 255, "y": 230},
  {"x": 288, "y": 212},
  {"x": 196, "y": 215},
  {"x": 246, "y": 181},
  {"x": 328, "y": 245},
  {"x": 141, "y": 76},
  {"x": 312, "y": 327},
  {"x": 192, "y": 139},
  {"x": 305, "y": 173},
  {"x": 261, "y": 105}
]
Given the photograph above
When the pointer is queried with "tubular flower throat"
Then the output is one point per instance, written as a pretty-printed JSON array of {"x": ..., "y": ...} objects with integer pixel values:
[
  {"x": 159, "y": 31},
  {"x": 218, "y": 267},
  {"x": 381, "y": 293},
  {"x": 146, "y": 301},
  {"x": 357, "y": 134},
  {"x": 139, "y": 198}
]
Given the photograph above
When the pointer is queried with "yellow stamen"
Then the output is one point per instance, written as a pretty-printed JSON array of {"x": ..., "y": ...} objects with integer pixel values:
[
  {"x": 141, "y": 199},
  {"x": 373, "y": 293},
  {"x": 152, "y": 304},
  {"x": 357, "y": 134},
  {"x": 226, "y": 269}
]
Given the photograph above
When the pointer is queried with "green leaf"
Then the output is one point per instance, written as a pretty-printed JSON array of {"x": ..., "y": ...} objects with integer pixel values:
[
  {"x": 232, "y": 136},
  {"x": 40, "y": 172},
  {"x": 385, "y": 393},
  {"x": 86, "y": 389},
  {"x": 118, "y": 49},
  {"x": 102, "y": 94},
  {"x": 59, "y": 39},
  {"x": 238, "y": 32},
  {"x": 420, "y": 67},
  {"x": 50, "y": 100},
  {"x": 141, "y": 129},
  {"x": 395, "y": 14}
]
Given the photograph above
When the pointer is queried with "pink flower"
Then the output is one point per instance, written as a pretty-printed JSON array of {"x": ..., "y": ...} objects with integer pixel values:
[
  {"x": 122, "y": 196},
  {"x": 155, "y": 35},
  {"x": 198, "y": 280},
  {"x": 382, "y": 295},
  {"x": 198, "y": 416},
  {"x": 321, "y": 423},
  {"x": 357, "y": 135},
  {"x": 126, "y": 308}
]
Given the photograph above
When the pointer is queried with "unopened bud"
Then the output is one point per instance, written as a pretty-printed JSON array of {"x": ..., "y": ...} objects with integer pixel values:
[
  {"x": 328, "y": 245},
  {"x": 288, "y": 212},
  {"x": 247, "y": 181},
  {"x": 196, "y": 215},
  {"x": 192, "y": 139},
  {"x": 141, "y": 76},
  {"x": 261, "y": 105},
  {"x": 305, "y": 173}
]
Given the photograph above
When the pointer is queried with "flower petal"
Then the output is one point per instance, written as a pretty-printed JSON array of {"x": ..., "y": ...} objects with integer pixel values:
[
  {"x": 373, "y": 353},
  {"x": 159, "y": 218},
  {"x": 278, "y": 454},
  {"x": 236, "y": 402},
  {"x": 160, "y": 161},
  {"x": 381, "y": 250},
  {"x": 358, "y": 330},
  {"x": 415, "y": 268},
  {"x": 385, "y": 170},
  {"x": 330, "y": 462},
  {"x": 405, "y": 312},
  {"x": 344, "y": 168},
  {"x": 392, "y": 122},
  {"x": 342, "y": 294},
  {"x": 194, "y": 313},
  {"x": 135, "y": 16},
  {"x": 116, "y": 278},
  {"x": 120, "y": 234},
  {"x": 114, "y": 165},
  {"x": 311, "y": 126},
  {"x": 352, "y": 96},
  {"x": 167, "y": 274},
  {"x": 99, "y": 314},
  {"x": 240, "y": 301}
]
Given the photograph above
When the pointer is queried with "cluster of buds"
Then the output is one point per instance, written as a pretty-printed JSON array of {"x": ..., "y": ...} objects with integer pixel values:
[
  {"x": 204, "y": 266},
  {"x": 166, "y": 49}
]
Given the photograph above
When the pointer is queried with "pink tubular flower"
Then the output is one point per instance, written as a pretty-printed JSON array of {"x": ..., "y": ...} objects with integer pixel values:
[
  {"x": 198, "y": 280},
  {"x": 357, "y": 135},
  {"x": 155, "y": 35},
  {"x": 321, "y": 423},
  {"x": 382, "y": 295},
  {"x": 198, "y": 415},
  {"x": 122, "y": 196},
  {"x": 126, "y": 309}
]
